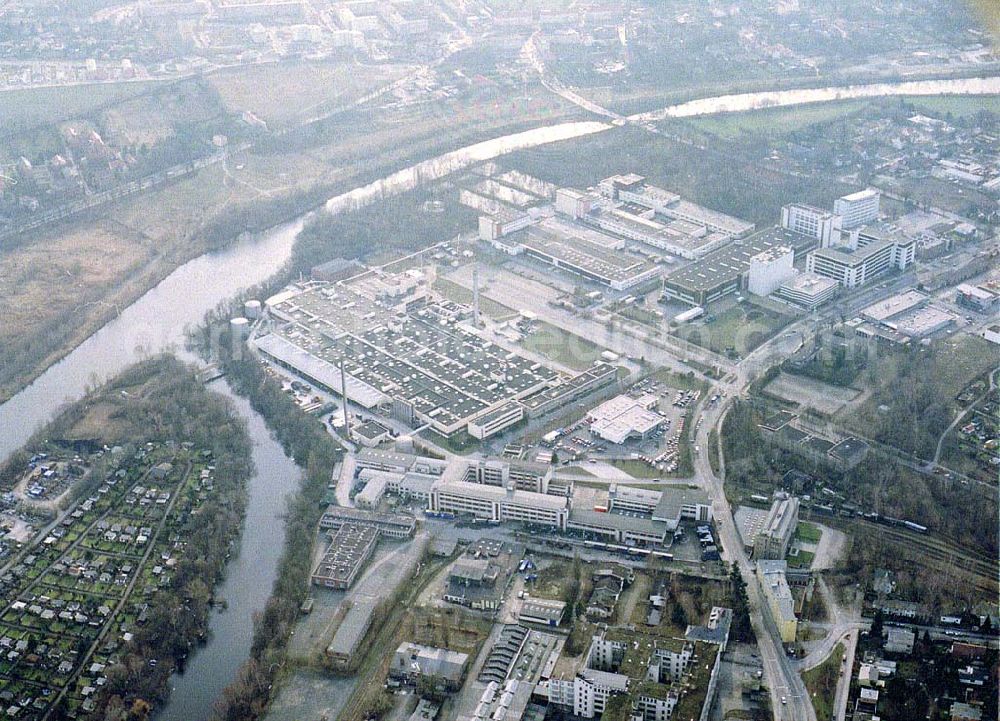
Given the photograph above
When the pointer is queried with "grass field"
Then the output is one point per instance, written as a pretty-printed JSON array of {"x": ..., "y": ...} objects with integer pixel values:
[
  {"x": 46, "y": 105},
  {"x": 565, "y": 348},
  {"x": 737, "y": 330},
  {"x": 636, "y": 468},
  {"x": 808, "y": 532},
  {"x": 821, "y": 683},
  {"x": 803, "y": 559},
  {"x": 776, "y": 121},
  {"x": 285, "y": 93},
  {"x": 460, "y": 294}
]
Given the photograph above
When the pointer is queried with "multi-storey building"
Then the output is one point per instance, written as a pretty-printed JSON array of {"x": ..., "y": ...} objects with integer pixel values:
[
  {"x": 858, "y": 208},
  {"x": 814, "y": 222}
]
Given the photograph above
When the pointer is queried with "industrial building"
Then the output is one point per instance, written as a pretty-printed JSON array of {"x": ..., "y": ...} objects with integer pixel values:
[
  {"x": 496, "y": 504},
  {"x": 871, "y": 252},
  {"x": 858, "y": 208},
  {"x": 820, "y": 224},
  {"x": 542, "y": 611},
  {"x": 623, "y": 418},
  {"x": 906, "y": 315},
  {"x": 580, "y": 250},
  {"x": 413, "y": 661},
  {"x": 569, "y": 390},
  {"x": 632, "y": 188},
  {"x": 808, "y": 290},
  {"x": 724, "y": 271},
  {"x": 352, "y": 630},
  {"x": 350, "y": 548},
  {"x": 391, "y": 525},
  {"x": 769, "y": 269},
  {"x": 774, "y": 584},
  {"x": 670, "y": 506},
  {"x": 384, "y": 340},
  {"x": 775, "y": 536},
  {"x": 974, "y": 297}
]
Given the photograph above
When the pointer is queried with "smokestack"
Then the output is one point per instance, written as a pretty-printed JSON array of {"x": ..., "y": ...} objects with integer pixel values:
[
  {"x": 475, "y": 295},
  {"x": 343, "y": 388}
]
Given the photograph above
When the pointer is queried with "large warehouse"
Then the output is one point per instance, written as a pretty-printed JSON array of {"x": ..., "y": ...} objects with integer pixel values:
[
  {"x": 406, "y": 354},
  {"x": 724, "y": 271}
]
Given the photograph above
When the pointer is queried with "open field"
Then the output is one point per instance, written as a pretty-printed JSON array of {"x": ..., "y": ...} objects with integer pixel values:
[
  {"x": 24, "y": 108},
  {"x": 775, "y": 121},
  {"x": 808, "y": 532},
  {"x": 563, "y": 347},
  {"x": 284, "y": 94},
  {"x": 49, "y": 288},
  {"x": 737, "y": 330},
  {"x": 821, "y": 683},
  {"x": 804, "y": 391}
]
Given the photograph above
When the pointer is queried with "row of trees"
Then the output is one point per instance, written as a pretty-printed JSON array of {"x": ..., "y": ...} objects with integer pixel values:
[
  {"x": 312, "y": 448},
  {"x": 165, "y": 402}
]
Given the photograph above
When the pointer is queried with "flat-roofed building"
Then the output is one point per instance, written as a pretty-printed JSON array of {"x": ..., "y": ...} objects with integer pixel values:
[
  {"x": 496, "y": 420},
  {"x": 351, "y": 632},
  {"x": 815, "y": 222},
  {"x": 618, "y": 528},
  {"x": 679, "y": 503},
  {"x": 773, "y": 539},
  {"x": 769, "y": 269},
  {"x": 808, "y": 290},
  {"x": 623, "y": 418},
  {"x": 774, "y": 585},
  {"x": 855, "y": 266},
  {"x": 858, "y": 208},
  {"x": 724, "y": 271},
  {"x": 413, "y": 661},
  {"x": 542, "y": 611},
  {"x": 350, "y": 548},
  {"x": 585, "y": 252},
  {"x": 499, "y": 505},
  {"x": 889, "y": 308},
  {"x": 976, "y": 298}
]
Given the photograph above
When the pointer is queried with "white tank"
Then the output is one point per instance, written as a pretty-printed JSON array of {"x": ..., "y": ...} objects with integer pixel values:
[
  {"x": 240, "y": 327},
  {"x": 404, "y": 444},
  {"x": 251, "y": 309}
]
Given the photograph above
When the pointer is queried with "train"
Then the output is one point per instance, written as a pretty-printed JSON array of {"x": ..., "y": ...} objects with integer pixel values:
[
  {"x": 628, "y": 550},
  {"x": 895, "y": 522}
]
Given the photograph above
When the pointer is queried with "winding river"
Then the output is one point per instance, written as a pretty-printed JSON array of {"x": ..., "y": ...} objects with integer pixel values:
[{"x": 157, "y": 321}]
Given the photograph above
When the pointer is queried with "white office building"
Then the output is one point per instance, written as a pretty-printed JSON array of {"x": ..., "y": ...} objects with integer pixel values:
[
  {"x": 808, "y": 290},
  {"x": 499, "y": 505},
  {"x": 814, "y": 222},
  {"x": 769, "y": 269},
  {"x": 870, "y": 255},
  {"x": 858, "y": 208}
]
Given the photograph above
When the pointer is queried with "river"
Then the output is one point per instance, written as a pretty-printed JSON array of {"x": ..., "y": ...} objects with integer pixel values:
[
  {"x": 250, "y": 573},
  {"x": 157, "y": 320},
  {"x": 741, "y": 102}
]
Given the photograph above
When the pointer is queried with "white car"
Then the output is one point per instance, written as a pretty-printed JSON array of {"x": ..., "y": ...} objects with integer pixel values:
[{"x": 784, "y": 700}]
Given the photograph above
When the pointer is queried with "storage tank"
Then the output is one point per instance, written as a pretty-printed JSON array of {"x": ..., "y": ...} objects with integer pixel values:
[
  {"x": 404, "y": 444},
  {"x": 240, "y": 327},
  {"x": 251, "y": 309}
]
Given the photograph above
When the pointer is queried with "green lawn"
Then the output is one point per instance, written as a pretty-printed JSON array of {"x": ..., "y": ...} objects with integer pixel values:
[
  {"x": 804, "y": 559},
  {"x": 738, "y": 329},
  {"x": 566, "y": 348},
  {"x": 808, "y": 532},
  {"x": 821, "y": 683},
  {"x": 45, "y": 105},
  {"x": 776, "y": 121},
  {"x": 636, "y": 468}
]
